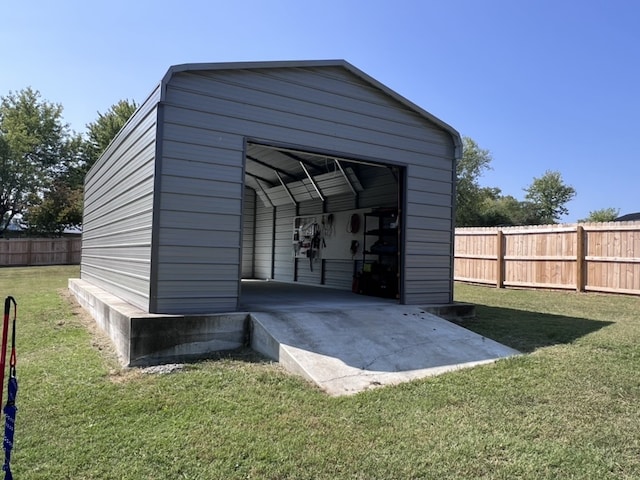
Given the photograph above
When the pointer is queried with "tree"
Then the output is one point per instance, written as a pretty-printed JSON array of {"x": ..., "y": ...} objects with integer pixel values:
[
  {"x": 469, "y": 195},
  {"x": 602, "y": 215},
  {"x": 33, "y": 142},
  {"x": 508, "y": 211},
  {"x": 549, "y": 194},
  {"x": 60, "y": 206},
  {"x": 105, "y": 128}
]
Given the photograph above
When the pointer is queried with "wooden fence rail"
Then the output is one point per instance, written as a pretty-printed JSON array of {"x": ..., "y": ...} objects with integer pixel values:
[
  {"x": 24, "y": 252},
  {"x": 601, "y": 257}
]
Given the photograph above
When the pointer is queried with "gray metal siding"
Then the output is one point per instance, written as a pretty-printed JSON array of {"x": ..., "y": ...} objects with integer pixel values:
[
  {"x": 428, "y": 238},
  {"x": 199, "y": 224},
  {"x": 208, "y": 114},
  {"x": 344, "y": 115},
  {"x": 248, "y": 233},
  {"x": 118, "y": 210}
]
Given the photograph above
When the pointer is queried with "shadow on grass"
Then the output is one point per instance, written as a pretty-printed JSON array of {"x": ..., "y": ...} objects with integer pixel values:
[
  {"x": 527, "y": 331},
  {"x": 243, "y": 354}
]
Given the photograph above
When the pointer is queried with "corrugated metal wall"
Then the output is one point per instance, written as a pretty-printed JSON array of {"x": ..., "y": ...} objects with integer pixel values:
[
  {"x": 339, "y": 273},
  {"x": 283, "y": 247},
  {"x": 263, "y": 256},
  {"x": 199, "y": 221},
  {"x": 208, "y": 114},
  {"x": 428, "y": 232},
  {"x": 118, "y": 210}
]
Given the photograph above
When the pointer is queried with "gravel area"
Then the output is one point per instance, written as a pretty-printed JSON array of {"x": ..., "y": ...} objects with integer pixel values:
[{"x": 163, "y": 369}]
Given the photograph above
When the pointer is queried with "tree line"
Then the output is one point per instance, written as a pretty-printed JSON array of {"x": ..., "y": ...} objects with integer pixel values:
[
  {"x": 545, "y": 200},
  {"x": 43, "y": 164}
]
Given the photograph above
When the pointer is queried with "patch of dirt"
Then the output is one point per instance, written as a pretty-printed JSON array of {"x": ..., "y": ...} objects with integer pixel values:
[
  {"x": 119, "y": 374},
  {"x": 124, "y": 375},
  {"x": 99, "y": 339},
  {"x": 101, "y": 342}
]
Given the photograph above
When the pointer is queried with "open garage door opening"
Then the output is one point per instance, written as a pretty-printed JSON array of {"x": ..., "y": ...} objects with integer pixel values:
[{"x": 322, "y": 220}]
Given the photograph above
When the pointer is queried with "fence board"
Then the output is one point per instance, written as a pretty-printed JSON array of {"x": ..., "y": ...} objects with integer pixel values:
[
  {"x": 23, "y": 252},
  {"x": 602, "y": 257}
]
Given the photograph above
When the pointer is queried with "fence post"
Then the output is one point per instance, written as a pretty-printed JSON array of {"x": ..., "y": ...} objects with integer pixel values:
[
  {"x": 29, "y": 251},
  {"x": 68, "y": 247},
  {"x": 500, "y": 266},
  {"x": 580, "y": 273}
]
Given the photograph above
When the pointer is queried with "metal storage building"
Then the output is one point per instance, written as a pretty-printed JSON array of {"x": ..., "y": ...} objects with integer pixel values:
[{"x": 224, "y": 164}]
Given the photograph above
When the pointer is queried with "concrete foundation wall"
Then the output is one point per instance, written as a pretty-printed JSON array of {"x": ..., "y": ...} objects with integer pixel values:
[{"x": 142, "y": 339}]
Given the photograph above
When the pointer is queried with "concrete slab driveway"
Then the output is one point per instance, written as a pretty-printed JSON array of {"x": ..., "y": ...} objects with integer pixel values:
[{"x": 349, "y": 350}]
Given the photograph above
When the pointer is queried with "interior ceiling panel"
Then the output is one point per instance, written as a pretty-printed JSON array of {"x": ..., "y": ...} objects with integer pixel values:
[{"x": 285, "y": 177}]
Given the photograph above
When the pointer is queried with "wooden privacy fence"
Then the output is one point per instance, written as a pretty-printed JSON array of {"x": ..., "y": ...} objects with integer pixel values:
[
  {"x": 16, "y": 252},
  {"x": 601, "y": 257}
]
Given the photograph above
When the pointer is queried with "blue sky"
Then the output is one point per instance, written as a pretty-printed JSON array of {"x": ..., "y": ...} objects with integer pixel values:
[{"x": 542, "y": 84}]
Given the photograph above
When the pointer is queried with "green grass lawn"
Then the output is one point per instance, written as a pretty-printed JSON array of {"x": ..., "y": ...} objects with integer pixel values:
[{"x": 568, "y": 408}]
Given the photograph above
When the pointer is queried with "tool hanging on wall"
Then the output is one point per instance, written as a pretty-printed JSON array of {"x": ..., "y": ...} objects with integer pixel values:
[
  {"x": 309, "y": 238},
  {"x": 355, "y": 245},
  {"x": 327, "y": 226},
  {"x": 10, "y": 408},
  {"x": 316, "y": 243}
]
